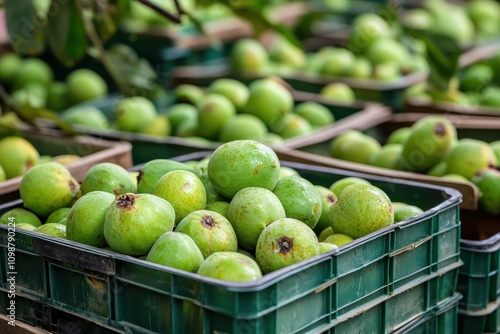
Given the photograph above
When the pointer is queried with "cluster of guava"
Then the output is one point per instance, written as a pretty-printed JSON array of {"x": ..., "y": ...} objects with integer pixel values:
[
  {"x": 226, "y": 110},
  {"x": 31, "y": 84},
  {"x": 17, "y": 155},
  {"x": 233, "y": 216},
  {"x": 429, "y": 146}
]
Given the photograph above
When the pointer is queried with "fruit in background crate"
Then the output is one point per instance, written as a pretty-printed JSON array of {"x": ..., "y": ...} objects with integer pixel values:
[
  {"x": 57, "y": 96},
  {"x": 58, "y": 216},
  {"x": 17, "y": 155},
  {"x": 52, "y": 229},
  {"x": 20, "y": 215},
  {"x": 250, "y": 211},
  {"x": 405, "y": 212},
  {"x": 316, "y": 114},
  {"x": 488, "y": 182},
  {"x": 32, "y": 70},
  {"x": 134, "y": 113},
  {"x": 84, "y": 85},
  {"x": 230, "y": 266},
  {"x": 234, "y": 90},
  {"x": 495, "y": 147},
  {"x": 211, "y": 232},
  {"x": 367, "y": 28},
  {"x": 48, "y": 187},
  {"x": 485, "y": 15},
  {"x": 399, "y": 136},
  {"x": 284, "y": 52},
  {"x": 108, "y": 177},
  {"x": 337, "y": 62},
  {"x": 338, "y": 239},
  {"x": 214, "y": 111},
  {"x": 190, "y": 94},
  {"x": 328, "y": 198},
  {"x": 354, "y": 146},
  {"x": 249, "y": 55},
  {"x": 283, "y": 243},
  {"x": 3, "y": 177},
  {"x": 243, "y": 163},
  {"x": 489, "y": 97},
  {"x": 338, "y": 186},
  {"x": 292, "y": 125},
  {"x": 85, "y": 220},
  {"x": 476, "y": 77},
  {"x": 326, "y": 247},
  {"x": 339, "y": 92},
  {"x": 179, "y": 112},
  {"x": 468, "y": 157},
  {"x": 159, "y": 127},
  {"x": 10, "y": 63},
  {"x": 87, "y": 116},
  {"x": 387, "y": 50},
  {"x": 64, "y": 159},
  {"x": 134, "y": 222},
  {"x": 176, "y": 250},
  {"x": 387, "y": 156},
  {"x": 243, "y": 126},
  {"x": 360, "y": 209},
  {"x": 184, "y": 190},
  {"x": 299, "y": 199}
]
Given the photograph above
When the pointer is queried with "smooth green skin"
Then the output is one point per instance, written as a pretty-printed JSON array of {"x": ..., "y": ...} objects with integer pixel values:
[
  {"x": 242, "y": 126},
  {"x": 490, "y": 97},
  {"x": 214, "y": 111},
  {"x": 455, "y": 23},
  {"x": 337, "y": 142},
  {"x": 20, "y": 215},
  {"x": 396, "y": 205},
  {"x": 316, "y": 114},
  {"x": 292, "y": 125},
  {"x": 108, "y": 177},
  {"x": 176, "y": 250},
  {"x": 24, "y": 99},
  {"x": 248, "y": 55},
  {"x": 9, "y": 65},
  {"x": 17, "y": 155},
  {"x": 338, "y": 62},
  {"x": 243, "y": 163},
  {"x": 134, "y": 113},
  {"x": 188, "y": 128},
  {"x": 52, "y": 229},
  {"x": 250, "y": 211},
  {"x": 468, "y": 157},
  {"x": 338, "y": 186},
  {"x": 56, "y": 96},
  {"x": 160, "y": 127},
  {"x": 339, "y": 92},
  {"x": 338, "y": 239},
  {"x": 3, "y": 177},
  {"x": 359, "y": 149},
  {"x": 88, "y": 116},
  {"x": 26, "y": 226},
  {"x": 211, "y": 232},
  {"x": 134, "y": 222},
  {"x": 325, "y": 233},
  {"x": 387, "y": 71},
  {"x": 287, "y": 171},
  {"x": 455, "y": 177},
  {"x": 438, "y": 169},
  {"x": 360, "y": 210},
  {"x": 179, "y": 112},
  {"x": 387, "y": 50},
  {"x": 488, "y": 182},
  {"x": 184, "y": 190},
  {"x": 406, "y": 212},
  {"x": 484, "y": 14},
  {"x": 399, "y": 136},
  {"x": 84, "y": 85},
  {"x": 367, "y": 28},
  {"x": 387, "y": 156},
  {"x": 234, "y": 90},
  {"x": 220, "y": 207},
  {"x": 327, "y": 199},
  {"x": 230, "y": 266},
  {"x": 269, "y": 101},
  {"x": 47, "y": 187},
  {"x": 418, "y": 18},
  {"x": 190, "y": 94},
  {"x": 153, "y": 170},
  {"x": 36, "y": 89},
  {"x": 495, "y": 147},
  {"x": 361, "y": 69},
  {"x": 32, "y": 70},
  {"x": 273, "y": 252},
  {"x": 430, "y": 140},
  {"x": 85, "y": 221},
  {"x": 300, "y": 199},
  {"x": 285, "y": 53},
  {"x": 271, "y": 139},
  {"x": 58, "y": 216},
  {"x": 325, "y": 247},
  {"x": 476, "y": 77}
]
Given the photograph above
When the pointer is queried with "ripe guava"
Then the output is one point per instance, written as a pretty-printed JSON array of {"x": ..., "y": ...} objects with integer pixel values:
[
  {"x": 108, "y": 177},
  {"x": 230, "y": 266}
]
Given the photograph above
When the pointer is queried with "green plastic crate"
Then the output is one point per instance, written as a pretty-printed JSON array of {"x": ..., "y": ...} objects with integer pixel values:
[
  {"x": 132, "y": 295},
  {"x": 486, "y": 320}
]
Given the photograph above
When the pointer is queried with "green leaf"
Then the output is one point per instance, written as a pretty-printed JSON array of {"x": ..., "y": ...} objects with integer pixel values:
[
  {"x": 66, "y": 34},
  {"x": 104, "y": 21},
  {"x": 26, "y": 26}
]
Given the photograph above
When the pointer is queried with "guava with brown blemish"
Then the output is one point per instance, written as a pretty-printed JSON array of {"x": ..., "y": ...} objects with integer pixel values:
[
  {"x": 48, "y": 187},
  {"x": 243, "y": 163},
  {"x": 211, "y": 231},
  {"x": 299, "y": 199},
  {"x": 108, "y": 177},
  {"x": 184, "y": 190},
  {"x": 285, "y": 242},
  {"x": 250, "y": 211},
  {"x": 328, "y": 198},
  {"x": 360, "y": 210},
  {"x": 230, "y": 266},
  {"x": 134, "y": 222}
]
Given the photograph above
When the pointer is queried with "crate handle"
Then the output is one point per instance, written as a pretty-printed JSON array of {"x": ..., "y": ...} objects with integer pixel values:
[
  {"x": 82, "y": 258},
  {"x": 410, "y": 247}
]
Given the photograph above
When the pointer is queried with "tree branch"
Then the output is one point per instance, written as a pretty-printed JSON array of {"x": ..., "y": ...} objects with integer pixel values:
[{"x": 167, "y": 14}]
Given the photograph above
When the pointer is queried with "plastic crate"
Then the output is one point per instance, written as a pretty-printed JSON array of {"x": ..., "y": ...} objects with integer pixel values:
[
  {"x": 482, "y": 321},
  {"x": 147, "y": 147},
  {"x": 135, "y": 296},
  {"x": 91, "y": 150}
]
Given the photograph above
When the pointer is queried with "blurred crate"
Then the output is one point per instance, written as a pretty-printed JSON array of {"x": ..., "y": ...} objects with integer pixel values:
[
  {"x": 482, "y": 321},
  {"x": 53, "y": 143},
  {"x": 417, "y": 258}
]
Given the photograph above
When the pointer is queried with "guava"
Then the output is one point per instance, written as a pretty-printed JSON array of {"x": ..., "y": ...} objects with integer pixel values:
[
  {"x": 220, "y": 207},
  {"x": 17, "y": 155},
  {"x": 316, "y": 114},
  {"x": 153, "y": 170},
  {"x": 20, "y": 215},
  {"x": 338, "y": 239},
  {"x": 338, "y": 92},
  {"x": 406, "y": 212},
  {"x": 214, "y": 111},
  {"x": 187, "y": 93},
  {"x": 328, "y": 198},
  {"x": 52, "y": 229},
  {"x": 234, "y": 90},
  {"x": 58, "y": 216},
  {"x": 84, "y": 85},
  {"x": 468, "y": 157},
  {"x": 87, "y": 116},
  {"x": 134, "y": 113},
  {"x": 108, "y": 177},
  {"x": 32, "y": 70},
  {"x": 325, "y": 247},
  {"x": 230, "y": 266},
  {"x": 248, "y": 55},
  {"x": 338, "y": 186},
  {"x": 242, "y": 126}
]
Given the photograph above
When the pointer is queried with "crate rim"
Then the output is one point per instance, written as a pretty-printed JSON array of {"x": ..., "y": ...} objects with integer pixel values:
[{"x": 489, "y": 245}]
